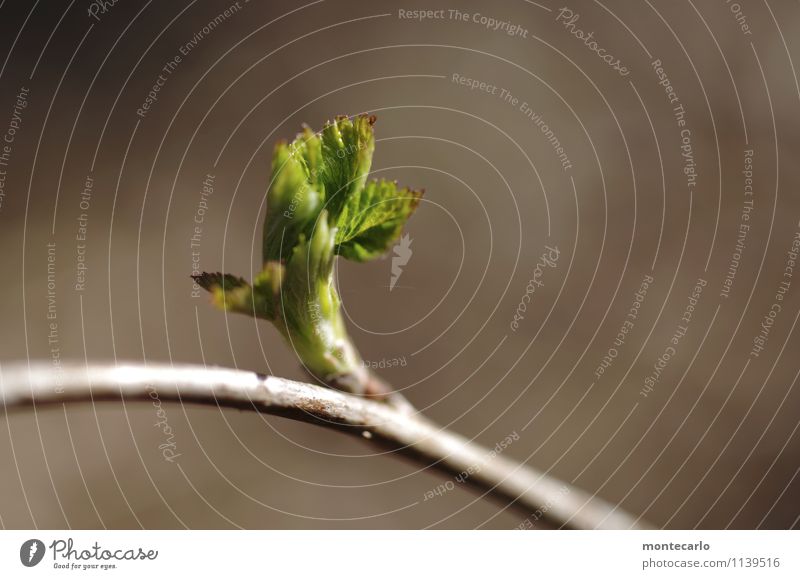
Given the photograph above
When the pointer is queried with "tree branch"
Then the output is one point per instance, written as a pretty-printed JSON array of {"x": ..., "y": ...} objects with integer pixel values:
[{"x": 535, "y": 494}]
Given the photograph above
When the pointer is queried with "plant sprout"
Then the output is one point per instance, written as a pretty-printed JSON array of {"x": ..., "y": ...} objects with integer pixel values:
[{"x": 320, "y": 205}]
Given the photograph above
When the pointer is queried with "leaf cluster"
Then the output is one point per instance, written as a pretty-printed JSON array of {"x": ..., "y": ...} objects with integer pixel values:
[{"x": 320, "y": 205}]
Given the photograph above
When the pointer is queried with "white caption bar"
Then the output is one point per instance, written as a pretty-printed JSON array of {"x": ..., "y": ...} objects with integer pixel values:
[{"x": 400, "y": 554}]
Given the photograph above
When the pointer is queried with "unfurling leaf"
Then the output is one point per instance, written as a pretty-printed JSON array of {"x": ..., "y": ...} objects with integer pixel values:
[
  {"x": 372, "y": 219},
  {"x": 319, "y": 205}
]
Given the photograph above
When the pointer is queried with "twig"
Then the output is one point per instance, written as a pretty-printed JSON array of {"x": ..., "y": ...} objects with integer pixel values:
[{"x": 536, "y": 494}]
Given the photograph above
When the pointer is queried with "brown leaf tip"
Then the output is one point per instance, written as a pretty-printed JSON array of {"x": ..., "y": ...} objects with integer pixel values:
[{"x": 209, "y": 281}]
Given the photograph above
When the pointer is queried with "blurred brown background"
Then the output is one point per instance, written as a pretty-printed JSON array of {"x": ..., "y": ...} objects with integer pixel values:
[{"x": 714, "y": 444}]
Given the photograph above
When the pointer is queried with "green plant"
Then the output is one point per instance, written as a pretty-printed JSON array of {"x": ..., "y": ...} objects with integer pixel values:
[{"x": 320, "y": 205}]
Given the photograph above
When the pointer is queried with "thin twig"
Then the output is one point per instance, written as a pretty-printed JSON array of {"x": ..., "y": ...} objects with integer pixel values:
[{"x": 536, "y": 494}]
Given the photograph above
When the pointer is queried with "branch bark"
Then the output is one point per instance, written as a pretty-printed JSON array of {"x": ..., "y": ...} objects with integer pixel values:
[{"x": 532, "y": 492}]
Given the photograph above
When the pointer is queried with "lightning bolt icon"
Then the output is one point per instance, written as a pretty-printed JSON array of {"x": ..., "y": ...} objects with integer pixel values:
[{"x": 402, "y": 254}]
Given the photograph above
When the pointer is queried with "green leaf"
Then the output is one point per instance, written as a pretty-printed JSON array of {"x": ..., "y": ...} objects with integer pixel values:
[
  {"x": 228, "y": 292},
  {"x": 293, "y": 198},
  {"x": 319, "y": 205},
  {"x": 373, "y": 218},
  {"x": 347, "y": 148},
  {"x": 234, "y": 294},
  {"x": 312, "y": 171}
]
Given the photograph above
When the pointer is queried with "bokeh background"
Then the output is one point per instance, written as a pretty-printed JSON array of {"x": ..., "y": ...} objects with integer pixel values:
[{"x": 713, "y": 445}]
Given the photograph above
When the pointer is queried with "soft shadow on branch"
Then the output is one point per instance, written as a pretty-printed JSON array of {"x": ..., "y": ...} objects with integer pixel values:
[{"x": 38, "y": 383}]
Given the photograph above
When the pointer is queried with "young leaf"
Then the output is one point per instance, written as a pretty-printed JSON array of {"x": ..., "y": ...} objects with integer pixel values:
[
  {"x": 229, "y": 292},
  {"x": 347, "y": 148},
  {"x": 234, "y": 294},
  {"x": 319, "y": 205},
  {"x": 372, "y": 219},
  {"x": 294, "y": 199}
]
